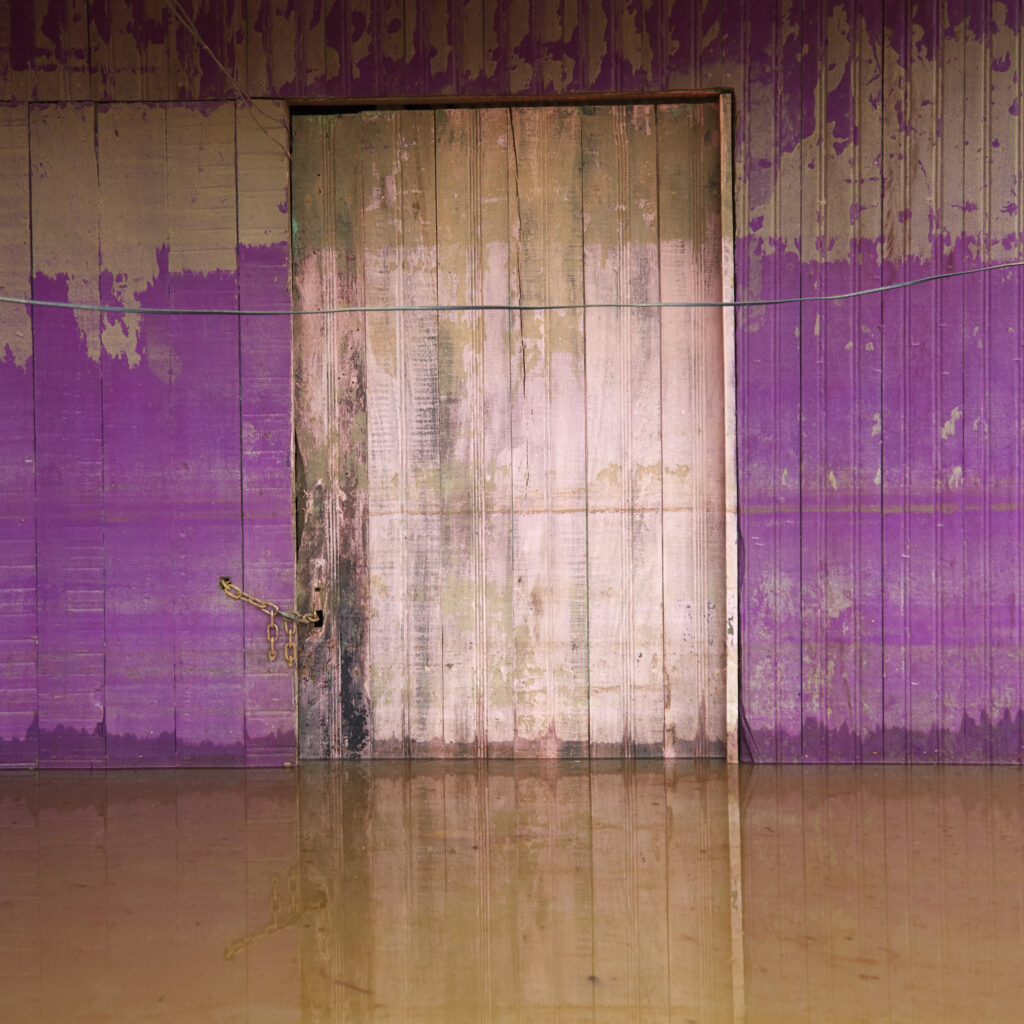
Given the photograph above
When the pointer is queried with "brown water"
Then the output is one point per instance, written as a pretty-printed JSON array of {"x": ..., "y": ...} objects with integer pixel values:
[{"x": 513, "y": 892}]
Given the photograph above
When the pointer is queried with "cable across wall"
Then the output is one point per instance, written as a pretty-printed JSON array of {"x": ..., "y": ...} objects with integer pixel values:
[{"x": 515, "y": 307}]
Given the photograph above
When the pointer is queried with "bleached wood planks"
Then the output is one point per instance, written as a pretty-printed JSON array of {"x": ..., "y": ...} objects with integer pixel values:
[
  {"x": 693, "y": 465},
  {"x": 548, "y": 430},
  {"x": 624, "y": 487},
  {"x": 404, "y": 470},
  {"x": 475, "y": 430},
  {"x": 331, "y": 436},
  {"x": 544, "y": 489}
]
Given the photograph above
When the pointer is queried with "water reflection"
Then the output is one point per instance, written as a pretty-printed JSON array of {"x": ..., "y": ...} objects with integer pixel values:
[{"x": 426, "y": 891}]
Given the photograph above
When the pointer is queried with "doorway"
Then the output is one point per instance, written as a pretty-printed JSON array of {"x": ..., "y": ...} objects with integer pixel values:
[{"x": 512, "y": 462}]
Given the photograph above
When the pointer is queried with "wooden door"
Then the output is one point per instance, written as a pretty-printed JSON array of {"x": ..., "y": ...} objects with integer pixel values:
[{"x": 510, "y": 482}]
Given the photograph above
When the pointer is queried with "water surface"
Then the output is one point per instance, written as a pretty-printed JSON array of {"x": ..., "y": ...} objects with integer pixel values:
[{"x": 527, "y": 891}]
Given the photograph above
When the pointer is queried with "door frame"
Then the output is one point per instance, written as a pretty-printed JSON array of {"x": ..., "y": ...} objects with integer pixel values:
[{"x": 724, "y": 100}]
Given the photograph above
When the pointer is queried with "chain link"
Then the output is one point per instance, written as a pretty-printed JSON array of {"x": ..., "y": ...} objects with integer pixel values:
[{"x": 291, "y": 621}]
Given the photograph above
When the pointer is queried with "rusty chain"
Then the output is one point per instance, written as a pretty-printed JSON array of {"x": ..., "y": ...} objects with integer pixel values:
[{"x": 292, "y": 620}]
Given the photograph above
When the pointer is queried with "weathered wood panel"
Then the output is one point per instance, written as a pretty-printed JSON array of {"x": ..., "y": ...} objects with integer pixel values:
[
  {"x": 475, "y": 430},
  {"x": 693, "y": 432},
  {"x": 265, "y": 367},
  {"x": 202, "y": 236},
  {"x": 831, "y": 100},
  {"x": 624, "y": 421},
  {"x": 133, "y": 499},
  {"x": 18, "y": 580},
  {"x": 514, "y": 486},
  {"x": 139, "y": 363},
  {"x": 330, "y": 397},
  {"x": 404, "y": 462},
  {"x": 70, "y": 481}
]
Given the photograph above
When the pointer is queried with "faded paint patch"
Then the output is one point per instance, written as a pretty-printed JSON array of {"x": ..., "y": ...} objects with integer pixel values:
[
  {"x": 949, "y": 427},
  {"x": 848, "y": 75},
  {"x": 16, "y": 334}
]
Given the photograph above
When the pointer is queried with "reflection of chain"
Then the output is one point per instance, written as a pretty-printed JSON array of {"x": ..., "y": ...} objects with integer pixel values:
[
  {"x": 290, "y": 619},
  {"x": 278, "y": 922}
]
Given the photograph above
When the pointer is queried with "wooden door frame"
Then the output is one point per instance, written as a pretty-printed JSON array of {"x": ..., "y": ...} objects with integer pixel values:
[{"x": 724, "y": 100}]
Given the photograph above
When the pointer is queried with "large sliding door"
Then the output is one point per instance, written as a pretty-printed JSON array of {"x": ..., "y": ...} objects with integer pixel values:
[{"x": 511, "y": 485}]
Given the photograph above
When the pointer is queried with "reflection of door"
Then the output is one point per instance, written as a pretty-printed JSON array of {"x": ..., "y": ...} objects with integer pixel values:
[{"x": 513, "y": 519}]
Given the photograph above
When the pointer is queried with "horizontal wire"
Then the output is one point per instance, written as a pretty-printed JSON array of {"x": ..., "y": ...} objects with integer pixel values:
[{"x": 509, "y": 307}]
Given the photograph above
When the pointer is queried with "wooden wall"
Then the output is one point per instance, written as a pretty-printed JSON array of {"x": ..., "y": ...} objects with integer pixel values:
[
  {"x": 149, "y": 455},
  {"x": 513, "y": 518},
  {"x": 879, "y": 452}
]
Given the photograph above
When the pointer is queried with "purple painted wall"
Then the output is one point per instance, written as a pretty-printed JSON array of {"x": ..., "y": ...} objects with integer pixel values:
[{"x": 880, "y": 452}]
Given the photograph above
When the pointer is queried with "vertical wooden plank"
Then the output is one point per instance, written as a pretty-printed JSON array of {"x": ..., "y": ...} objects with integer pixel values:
[
  {"x": 69, "y": 441},
  {"x": 331, "y": 435},
  {"x": 845, "y": 585},
  {"x": 386, "y": 443},
  {"x": 417, "y": 286},
  {"x": 549, "y": 462},
  {"x": 206, "y": 433},
  {"x": 623, "y": 431},
  {"x": 268, "y": 538},
  {"x": 998, "y": 430},
  {"x": 921, "y": 366},
  {"x": 18, "y": 582},
  {"x": 206, "y": 50},
  {"x": 900, "y": 230},
  {"x": 498, "y": 359},
  {"x": 867, "y": 339},
  {"x": 474, "y": 430},
  {"x": 978, "y": 487},
  {"x": 460, "y": 254},
  {"x": 44, "y": 50},
  {"x": 310, "y": 51},
  {"x": 400, "y": 232},
  {"x": 810, "y": 725},
  {"x": 139, "y": 365},
  {"x": 259, "y": 39},
  {"x": 756, "y": 63},
  {"x": 128, "y": 49},
  {"x": 469, "y": 51},
  {"x": 947, "y": 436},
  {"x": 693, "y": 460},
  {"x": 729, "y": 399}
]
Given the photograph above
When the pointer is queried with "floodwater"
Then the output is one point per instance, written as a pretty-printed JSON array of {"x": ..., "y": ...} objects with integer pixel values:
[{"x": 430, "y": 891}]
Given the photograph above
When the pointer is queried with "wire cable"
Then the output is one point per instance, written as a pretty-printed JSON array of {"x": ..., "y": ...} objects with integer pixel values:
[{"x": 523, "y": 307}]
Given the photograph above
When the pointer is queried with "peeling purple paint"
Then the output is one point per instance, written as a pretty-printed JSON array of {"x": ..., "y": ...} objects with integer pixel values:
[
  {"x": 264, "y": 282},
  {"x": 69, "y": 522},
  {"x": 18, "y": 669},
  {"x": 879, "y": 443},
  {"x": 148, "y": 520}
]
